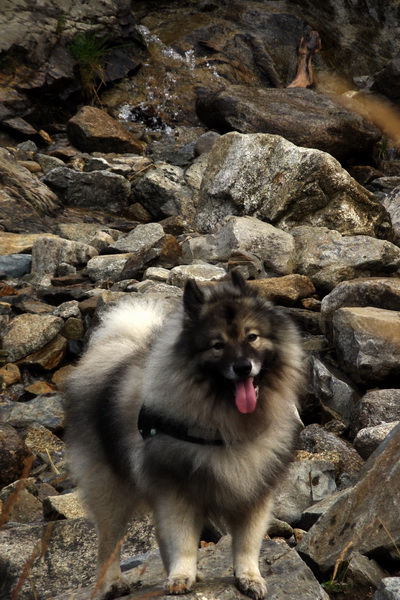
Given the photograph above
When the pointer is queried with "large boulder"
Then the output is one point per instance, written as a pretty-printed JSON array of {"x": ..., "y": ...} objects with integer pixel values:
[
  {"x": 300, "y": 115},
  {"x": 268, "y": 177}
]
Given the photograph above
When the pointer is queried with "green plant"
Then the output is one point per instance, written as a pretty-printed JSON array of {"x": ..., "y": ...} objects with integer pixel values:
[{"x": 89, "y": 51}]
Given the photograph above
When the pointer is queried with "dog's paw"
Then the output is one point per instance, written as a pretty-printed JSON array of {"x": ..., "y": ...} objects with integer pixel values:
[
  {"x": 114, "y": 589},
  {"x": 255, "y": 587},
  {"x": 178, "y": 585}
]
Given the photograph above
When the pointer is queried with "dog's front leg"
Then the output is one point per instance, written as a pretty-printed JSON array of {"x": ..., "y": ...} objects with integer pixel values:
[
  {"x": 247, "y": 534},
  {"x": 178, "y": 528}
]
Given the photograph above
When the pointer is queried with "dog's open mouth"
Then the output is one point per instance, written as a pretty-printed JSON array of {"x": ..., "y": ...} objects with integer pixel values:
[{"x": 246, "y": 395}]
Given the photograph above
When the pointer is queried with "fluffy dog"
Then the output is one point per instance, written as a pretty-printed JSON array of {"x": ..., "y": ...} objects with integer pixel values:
[{"x": 191, "y": 412}]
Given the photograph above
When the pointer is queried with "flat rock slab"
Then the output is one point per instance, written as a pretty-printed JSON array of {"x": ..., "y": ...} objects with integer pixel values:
[{"x": 287, "y": 576}]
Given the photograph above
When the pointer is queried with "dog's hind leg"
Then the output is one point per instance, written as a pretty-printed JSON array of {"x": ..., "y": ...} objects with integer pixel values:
[
  {"x": 247, "y": 534},
  {"x": 178, "y": 528},
  {"x": 111, "y": 509}
]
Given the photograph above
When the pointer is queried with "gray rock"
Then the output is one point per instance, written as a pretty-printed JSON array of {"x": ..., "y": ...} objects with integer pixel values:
[
  {"x": 367, "y": 341},
  {"x": 141, "y": 239},
  {"x": 368, "y": 439},
  {"x": 28, "y": 333},
  {"x": 48, "y": 162},
  {"x": 15, "y": 265},
  {"x": 364, "y": 572},
  {"x": 69, "y": 555},
  {"x": 355, "y": 519},
  {"x": 84, "y": 232},
  {"x": 164, "y": 192},
  {"x": 267, "y": 177},
  {"x": 377, "y": 407},
  {"x": 382, "y": 292},
  {"x": 307, "y": 482},
  {"x": 311, "y": 514},
  {"x": 101, "y": 240},
  {"x": 68, "y": 309},
  {"x": 49, "y": 252},
  {"x": 156, "y": 273},
  {"x": 246, "y": 234},
  {"x": 330, "y": 389},
  {"x": 392, "y": 205},
  {"x": 389, "y": 589},
  {"x": 107, "y": 266},
  {"x": 13, "y": 453},
  {"x": 45, "y": 410},
  {"x": 331, "y": 127},
  {"x": 64, "y": 506},
  {"x": 202, "y": 273},
  {"x": 328, "y": 258},
  {"x": 98, "y": 190}
]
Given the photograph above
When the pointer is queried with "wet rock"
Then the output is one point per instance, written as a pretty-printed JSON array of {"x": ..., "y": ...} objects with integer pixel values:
[
  {"x": 389, "y": 589},
  {"x": 13, "y": 453},
  {"x": 62, "y": 567},
  {"x": 316, "y": 439},
  {"x": 382, "y": 292},
  {"x": 163, "y": 192},
  {"x": 45, "y": 410},
  {"x": 94, "y": 130},
  {"x": 331, "y": 127},
  {"x": 367, "y": 341},
  {"x": 24, "y": 200},
  {"x": 358, "y": 514},
  {"x": 15, "y": 265},
  {"x": 107, "y": 267},
  {"x": 328, "y": 258},
  {"x": 273, "y": 246},
  {"x": 28, "y": 333},
  {"x": 267, "y": 177},
  {"x": 307, "y": 482},
  {"x": 98, "y": 190},
  {"x": 202, "y": 273},
  {"x": 49, "y": 252},
  {"x": 368, "y": 439},
  {"x": 286, "y": 290}
]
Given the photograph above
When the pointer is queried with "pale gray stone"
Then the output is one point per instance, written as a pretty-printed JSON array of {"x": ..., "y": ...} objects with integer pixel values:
[
  {"x": 267, "y": 177},
  {"x": 389, "y": 589},
  {"x": 107, "y": 266},
  {"x": 367, "y": 341},
  {"x": 202, "y": 273},
  {"x": 68, "y": 309},
  {"x": 368, "y": 439},
  {"x": 27, "y": 333},
  {"x": 15, "y": 265},
  {"x": 378, "y": 406},
  {"x": 156, "y": 273},
  {"x": 307, "y": 482},
  {"x": 48, "y": 162},
  {"x": 140, "y": 239},
  {"x": 49, "y": 252},
  {"x": 328, "y": 258},
  {"x": 84, "y": 232}
]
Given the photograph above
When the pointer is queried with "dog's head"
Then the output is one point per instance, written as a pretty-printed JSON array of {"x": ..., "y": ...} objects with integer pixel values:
[{"x": 232, "y": 336}]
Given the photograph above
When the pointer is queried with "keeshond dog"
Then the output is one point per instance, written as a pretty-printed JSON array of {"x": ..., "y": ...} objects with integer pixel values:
[{"x": 191, "y": 412}]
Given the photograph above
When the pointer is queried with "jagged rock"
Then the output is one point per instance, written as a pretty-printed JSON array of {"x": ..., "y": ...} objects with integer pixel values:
[
  {"x": 163, "y": 191},
  {"x": 50, "y": 356},
  {"x": 15, "y": 265},
  {"x": 392, "y": 205},
  {"x": 24, "y": 200},
  {"x": 367, "y": 341},
  {"x": 67, "y": 310},
  {"x": 368, "y": 439},
  {"x": 28, "y": 333},
  {"x": 274, "y": 247},
  {"x": 330, "y": 126},
  {"x": 179, "y": 275},
  {"x": 64, "y": 506},
  {"x": 45, "y": 410},
  {"x": 139, "y": 240},
  {"x": 315, "y": 439},
  {"x": 25, "y": 507},
  {"x": 267, "y": 177},
  {"x": 307, "y": 482},
  {"x": 377, "y": 407},
  {"x": 48, "y": 163},
  {"x": 98, "y": 190},
  {"x": 364, "y": 572},
  {"x": 94, "y": 130},
  {"x": 13, "y": 453},
  {"x": 328, "y": 257},
  {"x": 358, "y": 514},
  {"x": 382, "y": 292},
  {"x": 107, "y": 267},
  {"x": 69, "y": 555},
  {"x": 49, "y": 252},
  {"x": 329, "y": 388},
  {"x": 311, "y": 514},
  {"x": 389, "y": 589}
]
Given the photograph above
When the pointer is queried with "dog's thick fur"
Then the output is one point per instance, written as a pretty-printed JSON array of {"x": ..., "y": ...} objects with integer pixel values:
[{"x": 196, "y": 369}]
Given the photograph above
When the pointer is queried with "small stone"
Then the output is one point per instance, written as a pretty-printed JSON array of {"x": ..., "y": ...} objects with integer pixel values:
[
  {"x": 50, "y": 356},
  {"x": 202, "y": 273},
  {"x": 28, "y": 333},
  {"x": 64, "y": 506},
  {"x": 10, "y": 374},
  {"x": 368, "y": 439},
  {"x": 13, "y": 453},
  {"x": 60, "y": 375},
  {"x": 25, "y": 507},
  {"x": 73, "y": 329},
  {"x": 40, "y": 387},
  {"x": 46, "y": 410},
  {"x": 40, "y": 440}
]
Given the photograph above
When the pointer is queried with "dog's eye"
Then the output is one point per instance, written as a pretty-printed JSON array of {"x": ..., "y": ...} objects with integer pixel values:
[
  {"x": 219, "y": 345},
  {"x": 252, "y": 337}
]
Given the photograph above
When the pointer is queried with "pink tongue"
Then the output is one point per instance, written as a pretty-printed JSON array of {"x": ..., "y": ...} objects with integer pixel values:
[{"x": 245, "y": 396}]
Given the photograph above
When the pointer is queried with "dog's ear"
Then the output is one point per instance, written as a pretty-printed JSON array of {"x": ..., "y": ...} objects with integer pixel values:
[
  {"x": 193, "y": 298},
  {"x": 239, "y": 281}
]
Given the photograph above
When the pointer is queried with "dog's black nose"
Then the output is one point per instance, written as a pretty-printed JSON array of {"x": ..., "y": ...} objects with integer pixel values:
[{"x": 242, "y": 367}]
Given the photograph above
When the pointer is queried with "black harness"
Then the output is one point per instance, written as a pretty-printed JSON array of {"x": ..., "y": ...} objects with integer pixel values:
[{"x": 151, "y": 424}]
